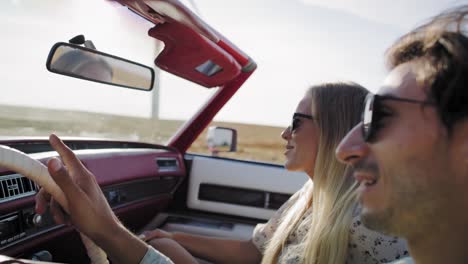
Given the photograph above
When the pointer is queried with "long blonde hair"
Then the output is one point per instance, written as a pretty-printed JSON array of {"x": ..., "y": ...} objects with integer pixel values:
[{"x": 337, "y": 108}]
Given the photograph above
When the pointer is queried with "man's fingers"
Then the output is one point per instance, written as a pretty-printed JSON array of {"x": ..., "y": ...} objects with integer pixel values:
[
  {"x": 42, "y": 201},
  {"x": 65, "y": 153},
  {"x": 57, "y": 212},
  {"x": 63, "y": 180}
]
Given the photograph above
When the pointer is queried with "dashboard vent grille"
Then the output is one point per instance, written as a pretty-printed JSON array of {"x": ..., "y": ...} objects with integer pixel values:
[
  {"x": 16, "y": 186},
  {"x": 167, "y": 164}
]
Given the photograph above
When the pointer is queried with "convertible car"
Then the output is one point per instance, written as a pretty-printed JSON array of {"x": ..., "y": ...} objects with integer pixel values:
[{"x": 154, "y": 181}]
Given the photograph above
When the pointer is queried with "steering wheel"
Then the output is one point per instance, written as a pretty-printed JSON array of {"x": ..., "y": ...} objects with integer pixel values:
[{"x": 32, "y": 169}]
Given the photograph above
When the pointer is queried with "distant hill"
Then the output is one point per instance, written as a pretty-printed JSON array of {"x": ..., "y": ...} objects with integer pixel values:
[{"x": 261, "y": 143}]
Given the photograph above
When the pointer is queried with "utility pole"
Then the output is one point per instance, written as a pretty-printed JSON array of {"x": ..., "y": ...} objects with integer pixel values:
[{"x": 157, "y": 85}]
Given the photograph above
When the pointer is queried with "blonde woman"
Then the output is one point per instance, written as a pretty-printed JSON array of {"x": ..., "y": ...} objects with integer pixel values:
[{"x": 319, "y": 223}]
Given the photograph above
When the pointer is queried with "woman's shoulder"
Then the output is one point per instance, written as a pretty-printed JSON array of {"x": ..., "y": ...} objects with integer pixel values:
[
  {"x": 264, "y": 232},
  {"x": 367, "y": 245}
]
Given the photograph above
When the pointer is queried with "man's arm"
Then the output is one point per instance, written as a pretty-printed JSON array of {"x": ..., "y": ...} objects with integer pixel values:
[{"x": 88, "y": 209}]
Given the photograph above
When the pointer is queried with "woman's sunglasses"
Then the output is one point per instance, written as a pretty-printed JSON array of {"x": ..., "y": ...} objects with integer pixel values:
[
  {"x": 296, "y": 120},
  {"x": 372, "y": 113}
]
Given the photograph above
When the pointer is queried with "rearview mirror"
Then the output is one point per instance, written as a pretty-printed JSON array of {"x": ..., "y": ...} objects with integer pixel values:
[{"x": 89, "y": 64}]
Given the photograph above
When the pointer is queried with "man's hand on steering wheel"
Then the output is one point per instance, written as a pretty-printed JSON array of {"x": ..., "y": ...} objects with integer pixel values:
[{"x": 88, "y": 208}]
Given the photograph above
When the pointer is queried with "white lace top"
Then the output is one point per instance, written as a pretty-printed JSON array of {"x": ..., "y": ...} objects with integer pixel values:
[{"x": 365, "y": 246}]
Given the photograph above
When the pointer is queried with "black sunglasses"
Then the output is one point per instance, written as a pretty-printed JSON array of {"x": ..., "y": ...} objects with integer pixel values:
[
  {"x": 373, "y": 113},
  {"x": 296, "y": 120}
]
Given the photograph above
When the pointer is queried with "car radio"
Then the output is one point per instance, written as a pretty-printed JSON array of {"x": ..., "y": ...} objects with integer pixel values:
[
  {"x": 22, "y": 224},
  {"x": 10, "y": 228}
]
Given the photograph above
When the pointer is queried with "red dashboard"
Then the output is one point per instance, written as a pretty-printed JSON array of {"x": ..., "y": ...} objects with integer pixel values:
[{"x": 138, "y": 181}]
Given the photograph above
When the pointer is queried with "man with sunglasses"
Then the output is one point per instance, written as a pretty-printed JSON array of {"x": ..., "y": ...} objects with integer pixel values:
[{"x": 410, "y": 152}]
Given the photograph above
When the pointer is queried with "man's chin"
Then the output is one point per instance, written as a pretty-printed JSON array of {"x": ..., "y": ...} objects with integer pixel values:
[{"x": 381, "y": 220}]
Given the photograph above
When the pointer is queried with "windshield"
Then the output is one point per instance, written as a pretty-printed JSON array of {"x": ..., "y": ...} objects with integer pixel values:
[
  {"x": 296, "y": 44},
  {"x": 35, "y": 102}
]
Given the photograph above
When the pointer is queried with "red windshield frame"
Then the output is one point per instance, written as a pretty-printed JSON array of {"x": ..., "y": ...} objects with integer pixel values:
[{"x": 173, "y": 11}]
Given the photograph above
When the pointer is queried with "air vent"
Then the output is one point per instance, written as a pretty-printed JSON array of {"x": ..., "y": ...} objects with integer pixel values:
[
  {"x": 16, "y": 186},
  {"x": 167, "y": 164}
]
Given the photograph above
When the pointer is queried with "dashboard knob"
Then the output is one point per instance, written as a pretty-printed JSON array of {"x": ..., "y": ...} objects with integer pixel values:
[{"x": 36, "y": 220}]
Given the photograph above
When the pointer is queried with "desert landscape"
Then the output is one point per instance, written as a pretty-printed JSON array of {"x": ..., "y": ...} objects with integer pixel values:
[{"x": 258, "y": 143}]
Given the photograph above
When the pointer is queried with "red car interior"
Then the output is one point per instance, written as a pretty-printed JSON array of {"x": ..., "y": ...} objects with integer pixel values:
[
  {"x": 137, "y": 182},
  {"x": 138, "y": 179}
]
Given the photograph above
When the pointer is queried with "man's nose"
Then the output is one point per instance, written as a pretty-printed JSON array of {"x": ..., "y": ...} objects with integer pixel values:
[
  {"x": 286, "y": 134},
  {"x": 352, "y": 147}
]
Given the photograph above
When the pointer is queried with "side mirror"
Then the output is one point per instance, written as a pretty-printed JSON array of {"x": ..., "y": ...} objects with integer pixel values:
[
  {"x": 221, "y": 139},
  {"x": 89, "y": 64}
]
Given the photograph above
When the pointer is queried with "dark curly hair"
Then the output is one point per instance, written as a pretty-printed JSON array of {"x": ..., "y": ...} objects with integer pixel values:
[{"x": 442, "y": 45}]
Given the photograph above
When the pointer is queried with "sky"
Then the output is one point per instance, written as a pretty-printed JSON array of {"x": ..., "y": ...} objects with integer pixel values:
[{"x": 296, "y": 43}]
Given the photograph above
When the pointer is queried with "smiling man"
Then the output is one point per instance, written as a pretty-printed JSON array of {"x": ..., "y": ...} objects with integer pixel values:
[{"x": 410, "y": 152}]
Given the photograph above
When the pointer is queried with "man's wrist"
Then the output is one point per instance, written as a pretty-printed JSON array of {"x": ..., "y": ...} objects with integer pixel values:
[
  {"x": 109, "y": 233},
  {"x": 120, "y": 244}
]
